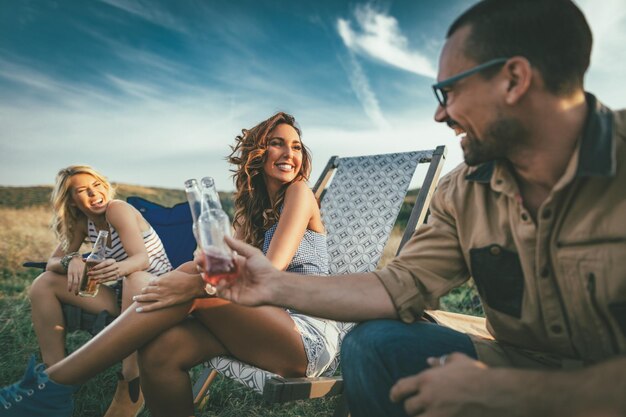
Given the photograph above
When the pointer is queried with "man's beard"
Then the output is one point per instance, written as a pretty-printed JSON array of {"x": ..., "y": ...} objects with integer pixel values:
[{"x": 501, "y": 140}]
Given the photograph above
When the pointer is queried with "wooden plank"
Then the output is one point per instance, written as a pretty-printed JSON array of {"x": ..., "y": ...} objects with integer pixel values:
[
  {"x": 320, "y": 186},
  {"x": 422, "y": 201},
  {"x": 280, "y": 390}
]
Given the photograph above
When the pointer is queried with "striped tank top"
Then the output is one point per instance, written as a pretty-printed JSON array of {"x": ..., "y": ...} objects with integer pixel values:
[{"x": 159, "y": 262}]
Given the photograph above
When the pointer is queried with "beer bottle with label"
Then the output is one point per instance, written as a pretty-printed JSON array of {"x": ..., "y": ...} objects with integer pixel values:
[{"x": 89, "y": 286}]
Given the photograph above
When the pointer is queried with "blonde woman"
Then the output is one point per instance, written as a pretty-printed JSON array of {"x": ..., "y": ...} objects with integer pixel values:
[{"x": 83, "y": 204}]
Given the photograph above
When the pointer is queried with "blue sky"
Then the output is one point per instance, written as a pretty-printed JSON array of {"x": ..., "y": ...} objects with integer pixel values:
[{"x": 153, "y": 92}]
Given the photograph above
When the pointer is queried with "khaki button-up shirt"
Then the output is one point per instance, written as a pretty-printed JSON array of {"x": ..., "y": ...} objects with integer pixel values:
[{"x": 556, "y": 285}]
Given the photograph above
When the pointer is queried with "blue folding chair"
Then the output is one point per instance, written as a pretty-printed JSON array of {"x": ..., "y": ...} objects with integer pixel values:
[{"x": 173, "y": 225}]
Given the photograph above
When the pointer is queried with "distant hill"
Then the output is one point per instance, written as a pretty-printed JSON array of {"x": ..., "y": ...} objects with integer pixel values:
[{"x": 20, "y": 197}]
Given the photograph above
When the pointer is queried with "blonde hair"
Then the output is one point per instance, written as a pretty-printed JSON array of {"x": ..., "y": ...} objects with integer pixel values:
[
  {"x": 65, "y": 216},
  {"x": 254, "y": 212}
]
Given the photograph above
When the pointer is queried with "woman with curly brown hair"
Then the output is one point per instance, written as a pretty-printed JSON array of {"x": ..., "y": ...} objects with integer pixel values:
[{"x": 274, "y": 210}]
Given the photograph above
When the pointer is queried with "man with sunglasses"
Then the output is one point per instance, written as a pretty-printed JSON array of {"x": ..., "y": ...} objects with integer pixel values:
[{"x": 536, "y": 215}]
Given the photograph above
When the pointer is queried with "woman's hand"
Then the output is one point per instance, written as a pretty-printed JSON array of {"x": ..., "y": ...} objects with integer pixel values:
[
  {"x": 170, "y": 289},
  {"x": 105, "y": 271},
  {"x": 255, "y": 274},
  {"x": 75, "y": 270}
]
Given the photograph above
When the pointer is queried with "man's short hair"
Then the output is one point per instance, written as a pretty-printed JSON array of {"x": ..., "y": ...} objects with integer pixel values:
[{"x": 552, "y": 34}]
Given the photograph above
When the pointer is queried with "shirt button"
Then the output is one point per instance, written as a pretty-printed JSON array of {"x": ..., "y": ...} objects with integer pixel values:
[
  {"x": 556, "y": 328},
  {"x": 545, "y": 272},
  {"x": 525, "y": 217},
  {"x": 495, "y": 250},
  {"x": 546, "y": 214}
]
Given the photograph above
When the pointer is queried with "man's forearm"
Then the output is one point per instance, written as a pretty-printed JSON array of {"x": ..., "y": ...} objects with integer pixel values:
[{"x": 352, "y": 297}]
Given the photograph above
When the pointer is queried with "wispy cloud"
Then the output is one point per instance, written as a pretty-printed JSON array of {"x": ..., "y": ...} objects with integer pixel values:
[
  {"x": 378, "y": 37},
  {"x": 361, "y": 87},
  {"x": 41, "y": 85},
  {"x": 149, "y": 12}
]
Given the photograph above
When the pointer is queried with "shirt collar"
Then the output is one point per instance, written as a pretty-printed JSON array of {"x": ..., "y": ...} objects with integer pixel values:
[
  {"x": 596, "y": 153},
  {"x": 597, "y": 147}
]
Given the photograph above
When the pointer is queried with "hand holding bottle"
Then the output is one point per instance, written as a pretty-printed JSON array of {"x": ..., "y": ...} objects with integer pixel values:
[
  {"x": 75, "y": 270},
  {"x": 211, "y": 226},
  {"x": 89, "y": 285},
  {"x": 105, "y": 271}
]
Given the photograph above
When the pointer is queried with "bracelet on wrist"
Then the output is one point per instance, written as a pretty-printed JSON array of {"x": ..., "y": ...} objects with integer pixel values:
[{"x": 65, "y": 261}]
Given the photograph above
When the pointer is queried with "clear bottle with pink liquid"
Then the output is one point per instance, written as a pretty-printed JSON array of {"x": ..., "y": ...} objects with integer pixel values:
[{"x": 211, "y": 226}]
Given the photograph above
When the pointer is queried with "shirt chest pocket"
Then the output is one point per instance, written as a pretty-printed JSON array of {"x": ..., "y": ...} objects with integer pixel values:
[{"x": 499, "y": 278}]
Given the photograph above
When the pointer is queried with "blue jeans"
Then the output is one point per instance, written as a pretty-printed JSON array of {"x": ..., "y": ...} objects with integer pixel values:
[{"x": 377, "y": 353}]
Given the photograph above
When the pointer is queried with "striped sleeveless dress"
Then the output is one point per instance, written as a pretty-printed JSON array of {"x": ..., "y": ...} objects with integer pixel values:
[
  {"x": 159, "y": 262},
  {"x": 321, "y": 337}
]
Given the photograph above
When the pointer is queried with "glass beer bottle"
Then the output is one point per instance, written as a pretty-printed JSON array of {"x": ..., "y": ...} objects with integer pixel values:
[
  {"x": 194, "y": 198},
  {"x": 213, "y": 225},
  {"x": 89, "y": 286}
]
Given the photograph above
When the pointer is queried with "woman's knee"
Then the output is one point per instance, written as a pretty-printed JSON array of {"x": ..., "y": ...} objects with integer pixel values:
[
  {"x": 133, "y": 283},
  {"x": 138, "y": 278},
  {"x": 43, "y": 285}
]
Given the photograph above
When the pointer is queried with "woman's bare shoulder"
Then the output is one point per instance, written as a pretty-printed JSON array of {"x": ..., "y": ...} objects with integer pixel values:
[
  {"x": 119, "y": 208},
  {"x": 299, "y": 189}
]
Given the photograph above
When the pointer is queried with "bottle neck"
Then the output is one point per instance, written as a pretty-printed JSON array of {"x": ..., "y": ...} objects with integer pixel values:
[
  {"x": 210, "y": 199},
  {"x": 194, "y": 198},
  {"x": 99, "y": 247}
]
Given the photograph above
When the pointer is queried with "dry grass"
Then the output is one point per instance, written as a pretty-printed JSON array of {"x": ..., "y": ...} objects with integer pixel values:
[{"x": 25, "y": 235}]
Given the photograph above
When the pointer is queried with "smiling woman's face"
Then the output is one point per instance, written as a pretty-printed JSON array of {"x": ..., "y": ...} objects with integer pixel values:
[
  {"x": 283, "y": 158},
  {"x": 89, "y": 194}
]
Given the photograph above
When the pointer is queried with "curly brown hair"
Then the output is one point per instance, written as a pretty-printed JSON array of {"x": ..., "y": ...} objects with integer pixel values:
[{"x": 254, "y": 211}]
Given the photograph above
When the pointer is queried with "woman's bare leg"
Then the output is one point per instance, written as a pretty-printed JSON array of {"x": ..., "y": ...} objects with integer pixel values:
[
  {"x": 262, "y": 336},
  {"x": 132, "y": 286},
  {"x": 126, "y": 334},
  {"x": 164, "y": 364},
  {"x": 46, "y": 294},
  {"x": 265, "y": 336}
]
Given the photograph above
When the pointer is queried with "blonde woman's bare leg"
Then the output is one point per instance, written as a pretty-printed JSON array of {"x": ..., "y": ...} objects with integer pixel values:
[
  {"x": 47, "y": 293},
  {"x": 132, "y": 286},
  {"x": 128, "y": 399},
  {"x": 262, "y": 336}
]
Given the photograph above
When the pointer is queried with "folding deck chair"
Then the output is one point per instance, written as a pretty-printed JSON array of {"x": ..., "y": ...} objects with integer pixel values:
[
  {"x": 174, "y": 227},
  {"x": 359, "y": 209}
]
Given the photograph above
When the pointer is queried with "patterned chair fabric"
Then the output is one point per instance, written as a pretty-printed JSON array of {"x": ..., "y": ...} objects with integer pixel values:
[{"x": 359, "y": 209}]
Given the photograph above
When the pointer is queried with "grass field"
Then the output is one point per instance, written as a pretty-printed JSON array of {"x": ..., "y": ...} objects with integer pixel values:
[{"x": 24, "y": 235}]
